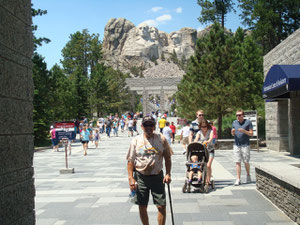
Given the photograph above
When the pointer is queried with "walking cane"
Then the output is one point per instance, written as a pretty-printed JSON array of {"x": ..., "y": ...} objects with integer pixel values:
[{"x": 171, "y": 208}]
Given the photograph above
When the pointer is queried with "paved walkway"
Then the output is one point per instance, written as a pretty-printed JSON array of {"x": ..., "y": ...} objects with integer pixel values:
[{"x": 97, "y": 193}]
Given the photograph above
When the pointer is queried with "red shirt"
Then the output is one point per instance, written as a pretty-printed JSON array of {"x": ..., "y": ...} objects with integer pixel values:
[{"x": 173, "y": 128}]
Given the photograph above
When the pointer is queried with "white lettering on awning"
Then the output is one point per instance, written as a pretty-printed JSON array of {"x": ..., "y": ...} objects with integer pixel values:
[{"x": 274, "y": 85}]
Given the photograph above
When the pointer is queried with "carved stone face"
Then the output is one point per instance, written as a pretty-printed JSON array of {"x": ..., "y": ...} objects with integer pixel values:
[
  {"x": 143, "y": 31},
  {"x": 176, "y": 38},
  {"x": 153, "y": 33}
]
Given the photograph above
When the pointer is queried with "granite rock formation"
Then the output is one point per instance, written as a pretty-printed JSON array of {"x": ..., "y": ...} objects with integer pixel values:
[{"x": 126, "y": 45}]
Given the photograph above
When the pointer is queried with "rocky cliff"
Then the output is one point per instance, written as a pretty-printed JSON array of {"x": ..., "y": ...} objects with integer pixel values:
[{"x": 127, "y": 47}]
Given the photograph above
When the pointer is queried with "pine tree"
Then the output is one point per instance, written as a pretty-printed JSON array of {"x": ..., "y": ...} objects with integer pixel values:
[
  {"x": 62, "y": 93},
  {"x": 271, "y": 21},
  {"x": 41, "y": 107},
  {"x": 222, "y": 76},
  {"x": 80, "y": 56},
  {"x": 215, "y": 11}
]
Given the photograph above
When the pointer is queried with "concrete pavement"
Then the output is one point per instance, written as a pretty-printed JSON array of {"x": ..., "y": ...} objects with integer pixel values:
[{"x": 97, "y": 193}]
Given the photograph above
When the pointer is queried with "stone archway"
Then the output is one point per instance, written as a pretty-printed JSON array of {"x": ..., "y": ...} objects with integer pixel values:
[
  {"x": 158, "y": 86},
  {"x": 16, "y": 105}
]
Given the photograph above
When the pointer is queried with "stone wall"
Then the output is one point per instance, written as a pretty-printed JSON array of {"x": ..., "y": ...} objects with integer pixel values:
[
  {"x": 160, "y": 86},
  {"x": 284, "y": 195},
  {"x": 16, "y": 95},
  {"x": 287, "y": 52}
]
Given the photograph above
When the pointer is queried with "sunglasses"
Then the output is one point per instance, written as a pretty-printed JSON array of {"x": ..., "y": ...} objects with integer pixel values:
[
  {"x": 148, "y": 125},
  {"x": 200, "y": 114},
  {"x": 239, "y": 115}
]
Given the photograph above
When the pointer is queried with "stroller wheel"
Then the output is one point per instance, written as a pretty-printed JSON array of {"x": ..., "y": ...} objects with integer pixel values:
[
  {"x": 189, "y": 188},
  {"x": 206, "y": 188},
  {"x": 184, "y": 188},
  {"x": 213, "y": 184}
]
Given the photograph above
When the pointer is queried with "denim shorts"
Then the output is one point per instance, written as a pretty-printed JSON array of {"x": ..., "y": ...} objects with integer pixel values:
[{"x": 211, "y": 154}]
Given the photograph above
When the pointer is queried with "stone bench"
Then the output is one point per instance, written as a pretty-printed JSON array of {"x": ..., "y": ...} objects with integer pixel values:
[
  {"x": 227, "y": 144},
  {"x": 280, "y": 183}
]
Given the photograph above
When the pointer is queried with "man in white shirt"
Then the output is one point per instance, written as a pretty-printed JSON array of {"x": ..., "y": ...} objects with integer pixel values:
[{"x": 167, "y": 132}]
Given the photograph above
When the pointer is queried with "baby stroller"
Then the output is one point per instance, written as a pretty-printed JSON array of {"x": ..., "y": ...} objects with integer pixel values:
[{"x": 199, "y": 150}]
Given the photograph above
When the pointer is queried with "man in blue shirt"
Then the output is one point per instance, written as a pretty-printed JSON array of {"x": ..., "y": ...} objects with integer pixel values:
[{"x": 242, "y": 129}]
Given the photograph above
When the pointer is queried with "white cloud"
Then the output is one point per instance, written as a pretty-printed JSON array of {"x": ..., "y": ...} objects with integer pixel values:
[
  {"x": 163, "y": 18},
  {"x": 156, "y": 9},
  {"x": 178, "y": 10},
  {"x": 151, "y": 23}
]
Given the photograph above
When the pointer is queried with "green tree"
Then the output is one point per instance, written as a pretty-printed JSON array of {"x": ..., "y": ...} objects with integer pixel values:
[
  {"x": 217, "y": 81},
  {"x": 248, "y": 67},
  {"x": 38, "y": 41},
  {"x": 119, "y": 97},
  {"x": 99, "y": 92},
  {"x": 41, "y": 111},
  {"x": 271, "y": 21},
  {"x": 174, "y": 57},
  {"x": 62, "y": 95},
  {"x": 215, "y": 10},
  {"x": 80, "y": 56},
  {"x": 40, "y": 75}
]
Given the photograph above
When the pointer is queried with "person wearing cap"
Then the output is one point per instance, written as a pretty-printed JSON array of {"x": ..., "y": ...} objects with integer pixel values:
[{"x": 145, "y": 169}]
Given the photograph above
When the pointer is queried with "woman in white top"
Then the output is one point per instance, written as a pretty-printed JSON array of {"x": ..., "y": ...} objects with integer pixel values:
[
  {"x": 184, "y": 136},
  {"x": 205, "y": 136}
]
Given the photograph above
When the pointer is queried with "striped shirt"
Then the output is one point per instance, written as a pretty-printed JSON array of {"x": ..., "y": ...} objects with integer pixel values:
[{"x": 194, "y": 127}]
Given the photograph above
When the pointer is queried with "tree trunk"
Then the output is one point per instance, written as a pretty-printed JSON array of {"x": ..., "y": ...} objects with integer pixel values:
[
  {"x": 220, "y": 118},
  {"x": 223, "y": 20}
]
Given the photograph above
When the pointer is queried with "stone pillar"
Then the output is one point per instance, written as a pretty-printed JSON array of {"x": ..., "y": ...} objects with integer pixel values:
[
  {"x": 294, "y": 127},
  {"x": 162, "y": 100},
  {"x": 145, "y": 102},
  {"x": 277, "y": 125},
  {"x": 283, "y": 125},
  {"x": 16, "y": 96}
]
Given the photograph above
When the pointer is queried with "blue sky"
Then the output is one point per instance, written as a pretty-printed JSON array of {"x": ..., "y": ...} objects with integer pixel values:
[{"x": 65, "y": 17}]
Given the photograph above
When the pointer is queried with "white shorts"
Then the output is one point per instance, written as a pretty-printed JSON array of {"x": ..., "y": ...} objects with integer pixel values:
[
  {"x": 241, "y": 154},
  {"x": 185, "y": 141}
]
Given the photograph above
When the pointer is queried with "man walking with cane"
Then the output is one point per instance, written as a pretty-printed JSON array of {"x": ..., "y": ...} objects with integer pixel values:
[{"x": 144, "y": 165}]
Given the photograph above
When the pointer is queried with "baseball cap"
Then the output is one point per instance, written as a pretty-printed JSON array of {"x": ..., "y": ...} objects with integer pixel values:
[{"x": 148, "y": 119}]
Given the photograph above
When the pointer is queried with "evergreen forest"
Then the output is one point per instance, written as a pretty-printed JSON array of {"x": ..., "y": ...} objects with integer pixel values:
[{"x": 225, "y": 73}]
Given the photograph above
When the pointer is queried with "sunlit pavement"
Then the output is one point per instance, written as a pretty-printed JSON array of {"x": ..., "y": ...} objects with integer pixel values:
[{"x": 97, "y": 193}]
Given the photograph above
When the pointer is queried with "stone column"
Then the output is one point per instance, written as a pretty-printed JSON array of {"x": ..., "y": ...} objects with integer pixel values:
[
  {"x": 16, "y": 96},
  {"x": 145, "y": 102},
  {"x": 162, "y": 100},
  {"x": 277, "y": 125},
  {"x": 294, "y": 125},
  {"x": 283, "y": 125}
]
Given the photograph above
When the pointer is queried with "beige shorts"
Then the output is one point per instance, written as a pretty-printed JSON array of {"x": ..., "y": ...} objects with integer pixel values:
[
  {"x": 241, "y": 154},
  {"x": 185, "y": 141}
]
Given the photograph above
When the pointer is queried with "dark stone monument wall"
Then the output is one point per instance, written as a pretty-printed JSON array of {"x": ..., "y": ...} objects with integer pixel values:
[
  {"x": 16, "y": 96},
  {"x": 285, "y": 196}
]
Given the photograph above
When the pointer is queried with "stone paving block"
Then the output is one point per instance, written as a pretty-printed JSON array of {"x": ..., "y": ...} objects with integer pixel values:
[
  {"x": 277, "y": 216},
  {"x": 45, "y": 221},
  {"x": 98, "y": 190}
]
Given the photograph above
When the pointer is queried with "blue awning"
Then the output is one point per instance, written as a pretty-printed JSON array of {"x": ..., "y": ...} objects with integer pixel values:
[{"x": 280, "y": 81}]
